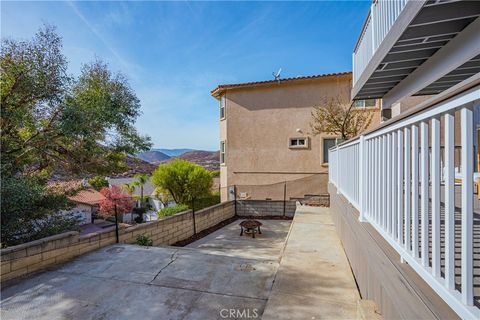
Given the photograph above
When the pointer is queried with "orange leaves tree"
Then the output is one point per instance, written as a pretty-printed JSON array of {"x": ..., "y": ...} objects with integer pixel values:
[
  {"x": 114, "y": 197},
  {"x": 338, "y": 116}
]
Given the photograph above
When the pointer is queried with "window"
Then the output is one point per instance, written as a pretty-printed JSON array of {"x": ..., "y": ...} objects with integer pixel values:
[
  {"x": 327, "y": 144},
  {"x": 222, "y": 107},
  {"x": 222, "y": 152},
  {"x": 298, "y": 143},
  {"x": 369, "y": 103}
]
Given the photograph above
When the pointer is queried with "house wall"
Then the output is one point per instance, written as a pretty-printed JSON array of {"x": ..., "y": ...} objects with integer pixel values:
[
  {"x": 380, "y": 275},
  {"x": 259, "y": 123},
  {"x": 83, "y": 211},
  {"x": 33, "y": 256}
]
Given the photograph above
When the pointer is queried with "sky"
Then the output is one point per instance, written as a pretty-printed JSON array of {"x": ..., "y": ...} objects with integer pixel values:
[{"x": 175, "y": 53}]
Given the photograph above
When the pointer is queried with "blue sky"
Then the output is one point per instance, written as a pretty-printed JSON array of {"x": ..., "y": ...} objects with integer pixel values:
[{"x": 174, "y": 53}]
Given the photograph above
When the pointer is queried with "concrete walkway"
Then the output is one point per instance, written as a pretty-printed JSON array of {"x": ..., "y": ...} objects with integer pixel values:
[{"x": 314, "y": 280}]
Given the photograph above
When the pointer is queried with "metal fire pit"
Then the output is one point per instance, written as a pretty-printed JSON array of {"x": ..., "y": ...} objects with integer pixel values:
[{"x": 250, "y": 227}]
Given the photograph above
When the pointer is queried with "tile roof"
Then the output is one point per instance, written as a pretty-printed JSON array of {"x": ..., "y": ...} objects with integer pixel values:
[
  {"x": 87, "y": 196},
  {"x": 221, "y": 88}
]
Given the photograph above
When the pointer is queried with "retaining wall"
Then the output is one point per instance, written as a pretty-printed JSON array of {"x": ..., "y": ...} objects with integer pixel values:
[{"x": 33, "y": 256}]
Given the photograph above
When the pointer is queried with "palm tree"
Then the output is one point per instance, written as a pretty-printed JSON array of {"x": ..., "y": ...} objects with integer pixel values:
[
  {"x": 141, "y": 179},
  {"x": 129, "y": 188}
]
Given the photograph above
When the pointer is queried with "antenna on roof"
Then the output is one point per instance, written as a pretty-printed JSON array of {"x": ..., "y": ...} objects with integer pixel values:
[{"x": 277, "y": 75}]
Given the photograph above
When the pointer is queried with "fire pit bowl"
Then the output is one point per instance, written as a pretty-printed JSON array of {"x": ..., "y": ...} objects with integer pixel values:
[{"x": 250, "y": 226}]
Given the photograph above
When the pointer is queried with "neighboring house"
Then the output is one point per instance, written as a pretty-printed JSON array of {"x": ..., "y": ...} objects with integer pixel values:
[
  {"x": 87, "y": 202},
  {"x": 265, "y": 134},
  {"x": 403, "y": 194},
  {"x": 148, "y": 192}
]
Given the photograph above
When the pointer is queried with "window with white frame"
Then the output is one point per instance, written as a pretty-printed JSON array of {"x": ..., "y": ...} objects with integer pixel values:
[
  {"x": 368, "y": 103},
  {"x": 222, "y": 107},
  {"x": 298, "y": 142},
  {"x": 222, "y": 152}
]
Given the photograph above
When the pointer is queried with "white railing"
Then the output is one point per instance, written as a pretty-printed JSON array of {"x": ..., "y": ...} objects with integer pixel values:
[
  {"x": 393, "y": 176},
  {"x": 381, "y": 17}
]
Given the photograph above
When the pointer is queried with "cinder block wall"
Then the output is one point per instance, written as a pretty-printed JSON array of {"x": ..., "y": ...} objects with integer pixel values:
[
  {"x": 265, "y": 208},
  {"x": 33, "y": 256}
]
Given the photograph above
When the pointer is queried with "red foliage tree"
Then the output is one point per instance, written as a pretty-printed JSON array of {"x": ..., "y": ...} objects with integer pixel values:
[{"x": 115, "y": 196}]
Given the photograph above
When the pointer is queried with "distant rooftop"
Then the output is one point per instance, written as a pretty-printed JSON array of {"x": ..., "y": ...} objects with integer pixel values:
[{"x": 223, "y": 87}]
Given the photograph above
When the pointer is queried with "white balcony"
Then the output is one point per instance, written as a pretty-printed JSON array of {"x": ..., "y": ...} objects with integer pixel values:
[{"x": 415, "y": 47}]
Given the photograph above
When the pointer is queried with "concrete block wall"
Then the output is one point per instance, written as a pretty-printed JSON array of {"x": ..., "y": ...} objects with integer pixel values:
[
  {"x": 265, "y": 208},
  {"x": 20, "y": 260}
]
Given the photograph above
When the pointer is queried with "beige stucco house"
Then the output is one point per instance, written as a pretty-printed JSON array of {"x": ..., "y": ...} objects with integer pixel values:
[{"x": 266, "y": 137}]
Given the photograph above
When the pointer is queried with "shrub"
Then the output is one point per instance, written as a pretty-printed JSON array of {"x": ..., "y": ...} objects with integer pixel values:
[
  {"x": 144, "y": 240},
  {"x": 98, "y": 183},
  {"x": 184, "y": 180},
  {"x": 140, "y": 211},
  {"x": 170, "y": 211}
]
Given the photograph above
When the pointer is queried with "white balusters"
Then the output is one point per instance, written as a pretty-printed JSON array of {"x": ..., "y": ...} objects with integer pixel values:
[
  {"x": 395, "y": 177},
  {"x": 407, "y": 187},
  {"x": 415, "y": 194},
  {"x": 424, "y": 194},
  {"x": 466, "y": 116},
  {"x": 449, "y": 183}
]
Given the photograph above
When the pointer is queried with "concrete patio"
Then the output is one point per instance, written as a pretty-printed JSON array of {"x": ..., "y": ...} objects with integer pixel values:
[{"x": 220, "y": 276}]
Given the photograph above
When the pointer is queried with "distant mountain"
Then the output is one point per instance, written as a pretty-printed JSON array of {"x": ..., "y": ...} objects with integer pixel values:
[
  {"x": 172, "y": 152},
  {"x": 153, "y": 156}
]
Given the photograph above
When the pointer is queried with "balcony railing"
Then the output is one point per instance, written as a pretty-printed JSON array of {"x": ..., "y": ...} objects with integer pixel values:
[
  {"x": 381, "y": 17},
  {"x": 407, "y": 180}
]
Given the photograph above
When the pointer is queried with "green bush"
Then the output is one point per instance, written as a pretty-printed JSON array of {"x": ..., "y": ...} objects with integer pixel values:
[
  {"x": 98, "y": 183},
  {"x": 170, "y": 211},
  {"x": 143, "y": 240}
]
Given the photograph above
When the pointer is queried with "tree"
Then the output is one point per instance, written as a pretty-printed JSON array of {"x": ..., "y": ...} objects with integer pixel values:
[
  {"x": 50, "y": 119},
  {"x": 31, "y": 211},
  {"x": 116, "y": 202},
  {"x": 140, "y": 180},
  {"x": 338, "y": 116},
  {"x": 184, "y": 180},
  {"x": 98, "y": 182},
  {"x": 129, "y": 188}
]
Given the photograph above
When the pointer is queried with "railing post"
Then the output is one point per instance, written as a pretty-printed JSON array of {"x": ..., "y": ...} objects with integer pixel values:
[
  {"x": 361, "y": 179},
  {"x": 337, "y": 181}
]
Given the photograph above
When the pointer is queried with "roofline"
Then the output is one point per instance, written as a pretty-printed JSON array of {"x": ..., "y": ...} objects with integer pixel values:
[{"x": 224, "y": 87}]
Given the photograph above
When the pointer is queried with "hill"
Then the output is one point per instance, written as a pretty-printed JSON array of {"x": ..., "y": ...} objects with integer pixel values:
[
  {"x": 207, "y": 159},
  {"x": 173, "y": 152},
  {"x": 153, "y": 156}
]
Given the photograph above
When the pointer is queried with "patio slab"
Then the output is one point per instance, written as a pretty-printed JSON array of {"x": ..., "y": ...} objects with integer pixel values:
[
  {"x": 314, "y": 280},
  {"x": 227, "y": 241},
  {"x": 132, "y": 282}
]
